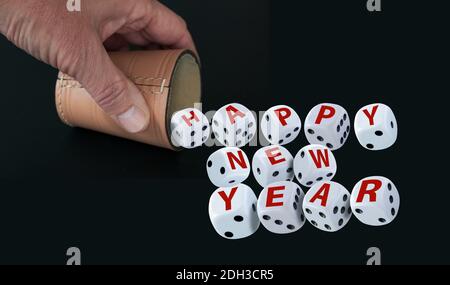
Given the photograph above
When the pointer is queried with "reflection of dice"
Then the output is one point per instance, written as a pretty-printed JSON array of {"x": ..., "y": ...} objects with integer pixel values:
[
  {"x": 280, "y": 207},
  {"x": 280, "y": 125},
  {"x": 228, "y": 166},
  {"x": 233, "y": 212},
  {"x": 234, "y": 125},
  {"x": 376, "y": 127},
  {"x": 327, "y": 206},
  {"x": 189, "y": 128},
  {"x": 328, "y": 125},
  {"x": 314, "y": 163},
  {"x": 272, "y": 163},
  {"x": 375, "y": 201}
]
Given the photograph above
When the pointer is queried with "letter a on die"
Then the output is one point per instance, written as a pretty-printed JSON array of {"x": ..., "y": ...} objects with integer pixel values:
[
  {"x": 327, "y": 206},
  {"x": 234, "y": 125}
]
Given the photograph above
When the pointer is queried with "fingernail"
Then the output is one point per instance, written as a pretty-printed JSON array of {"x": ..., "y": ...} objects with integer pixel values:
[{"x": 133, "y": 120}]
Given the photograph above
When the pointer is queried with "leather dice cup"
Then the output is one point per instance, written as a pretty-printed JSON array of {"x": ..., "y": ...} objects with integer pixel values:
[{"x": 169, "y": 80}]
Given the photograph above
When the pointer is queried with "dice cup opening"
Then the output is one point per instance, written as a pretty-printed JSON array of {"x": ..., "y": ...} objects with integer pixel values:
[
  {"x": 185, "y": 88},
  {"x": 169, "y": 80}
]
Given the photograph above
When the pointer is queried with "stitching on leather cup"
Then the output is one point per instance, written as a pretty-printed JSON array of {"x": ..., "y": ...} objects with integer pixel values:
[{"x": 60, "y": 108}]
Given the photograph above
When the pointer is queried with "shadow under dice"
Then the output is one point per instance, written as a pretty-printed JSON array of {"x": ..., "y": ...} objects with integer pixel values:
[
  {"x": 271, "y": 164},
  {"x": 375, "y": 201},
  {"x": 280, "y": 207},
  {"x": 314, "y": 163},
  {"x": 234, "y": 125},
  {"x": 189, "y": 128},
  {"x": 376, "y": 127},
  {"x": 228, "y": 166},
  {"x": 232, "y": 212},
  {"x": 327, "y": 206},
  {"x": 280, "y": 125},
  {"x": 327, "y": 125}
]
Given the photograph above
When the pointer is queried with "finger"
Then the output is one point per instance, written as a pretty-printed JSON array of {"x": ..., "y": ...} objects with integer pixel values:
[
  {"x": 115, "y": 94},
  {"x": 136, "y": 38},
  {"x": 166, "y": 28}
]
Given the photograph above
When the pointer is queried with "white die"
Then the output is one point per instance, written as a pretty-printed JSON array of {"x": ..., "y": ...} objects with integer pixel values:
[
  {"x": 234, "y": 125},
  {"x": 375, "y": 201},
  {"x": 280, "y": 125},
  {"x": 189, "y": 128},
  {"x": 314, "y": 163},
  {"x": 228, "y": 167},
  {"x": 272, "y": 163},
  {"x": 232, "y": 212},
  {"x": 328, "y": 125},
  {"x": 327, "y": 206},
  {"x": 280, "y": 207},
  {"x": 376, "y": 127}
]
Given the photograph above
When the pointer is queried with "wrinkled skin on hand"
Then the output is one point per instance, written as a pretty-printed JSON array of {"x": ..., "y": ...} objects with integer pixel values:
[{"x": 77, "y": 42}]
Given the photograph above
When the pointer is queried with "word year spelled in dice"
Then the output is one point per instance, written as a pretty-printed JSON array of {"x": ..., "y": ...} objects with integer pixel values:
[{"x": 283, "y": 207}]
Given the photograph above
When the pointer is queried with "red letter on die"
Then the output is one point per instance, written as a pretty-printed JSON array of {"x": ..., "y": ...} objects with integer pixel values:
[
  {"x": 232, "y": 113},
  {"x": 272, "y": 154},
  {"x": 321, "y": 157},
  {"x": 371, "y": 115},
  {"x": 227, "y": 199},
  {"x": 189, "y": 120},
  {"x": 323, "y": 115},
  {"x": 282, "y": 117},
  {"x": 364, "y": 190},
  {"x": 322, "y": 194},
  {"x": 271, "y": 196},
  {"x": 241, "y": 160}
]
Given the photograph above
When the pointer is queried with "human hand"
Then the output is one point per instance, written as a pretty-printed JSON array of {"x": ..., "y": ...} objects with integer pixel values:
[{"x": 76, "y": 43}]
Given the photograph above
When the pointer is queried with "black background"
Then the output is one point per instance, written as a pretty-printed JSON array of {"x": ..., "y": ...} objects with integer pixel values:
[{"x": 123, "y": 202}]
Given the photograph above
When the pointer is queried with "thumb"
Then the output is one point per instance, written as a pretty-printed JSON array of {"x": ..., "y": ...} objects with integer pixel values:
[{"x": 113, "y": 92}]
